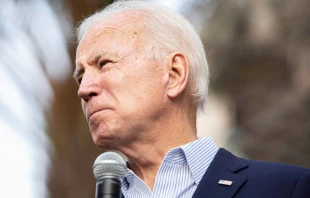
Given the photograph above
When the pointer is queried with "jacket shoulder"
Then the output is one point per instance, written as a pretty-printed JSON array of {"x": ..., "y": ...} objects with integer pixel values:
[
  {"x": 288, "y": 180},
  {"x": 274, "y": 169},
  {"x": 266, "y": 179}
]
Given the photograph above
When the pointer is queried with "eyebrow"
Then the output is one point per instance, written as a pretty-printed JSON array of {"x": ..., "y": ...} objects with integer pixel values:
[
  {"x": 77, "y": 72},
  {"x": 80, "y": 69}
]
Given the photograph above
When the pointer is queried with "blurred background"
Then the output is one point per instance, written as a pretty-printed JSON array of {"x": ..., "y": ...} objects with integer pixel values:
[{"x": 259, "y": 102}]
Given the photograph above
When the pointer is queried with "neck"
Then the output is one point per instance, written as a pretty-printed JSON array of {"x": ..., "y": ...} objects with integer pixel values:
[{"x": 145, "y": 157}]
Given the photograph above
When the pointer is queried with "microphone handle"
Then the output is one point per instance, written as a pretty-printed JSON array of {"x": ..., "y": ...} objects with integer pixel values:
[{"x": 108, "y": 187}]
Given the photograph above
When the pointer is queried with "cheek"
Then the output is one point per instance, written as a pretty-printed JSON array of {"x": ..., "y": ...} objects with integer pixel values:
[
  {"x": 113, "y": 80},
  {"x": 149, "y": 90},
  {"x": 133, "y": 85},
  {"x": 114, "y": 86}
]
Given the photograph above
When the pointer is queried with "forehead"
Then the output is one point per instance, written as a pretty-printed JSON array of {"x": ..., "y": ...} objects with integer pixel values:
[{"x": 125, "y": 26}]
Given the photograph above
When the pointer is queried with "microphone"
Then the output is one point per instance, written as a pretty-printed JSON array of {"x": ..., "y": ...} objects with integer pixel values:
[{"x": 108, "y": 169}]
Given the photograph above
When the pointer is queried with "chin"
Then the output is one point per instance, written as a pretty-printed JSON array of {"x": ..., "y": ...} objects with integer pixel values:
[
  {"x": 109, "y": 135},
  {"x": 105, "y": 141},
  {"x": 103, "y": 134}
]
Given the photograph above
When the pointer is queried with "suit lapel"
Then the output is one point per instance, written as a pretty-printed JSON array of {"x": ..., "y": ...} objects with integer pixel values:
[{"x": 223, "y": 167}]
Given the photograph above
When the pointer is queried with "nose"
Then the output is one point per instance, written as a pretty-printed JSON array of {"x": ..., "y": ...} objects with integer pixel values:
[{"x": 89, "y": 86}]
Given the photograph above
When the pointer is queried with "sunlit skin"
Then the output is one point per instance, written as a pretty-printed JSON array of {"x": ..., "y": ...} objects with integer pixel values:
[{"x": 133, "y": 104}]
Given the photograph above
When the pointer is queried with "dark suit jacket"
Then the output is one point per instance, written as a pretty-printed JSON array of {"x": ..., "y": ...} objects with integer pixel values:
[{"x": 252, "y": 179}]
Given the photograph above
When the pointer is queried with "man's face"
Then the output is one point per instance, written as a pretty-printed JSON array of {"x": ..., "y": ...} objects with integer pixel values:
[{"x": 122, "y": 92}]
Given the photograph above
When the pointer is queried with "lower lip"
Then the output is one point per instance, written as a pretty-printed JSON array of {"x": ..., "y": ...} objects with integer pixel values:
[{"x": 97, "y": 112}]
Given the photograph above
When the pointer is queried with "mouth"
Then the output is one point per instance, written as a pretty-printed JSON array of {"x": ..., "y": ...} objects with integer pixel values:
[{"x": 94, "y": 112}]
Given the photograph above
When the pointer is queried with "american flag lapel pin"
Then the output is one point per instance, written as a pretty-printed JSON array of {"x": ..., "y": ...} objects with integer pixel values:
[{"x": 225, "y": 182}]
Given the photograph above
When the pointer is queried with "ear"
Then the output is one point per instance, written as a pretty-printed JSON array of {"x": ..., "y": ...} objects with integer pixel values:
[{"x": 178, "y": 71}]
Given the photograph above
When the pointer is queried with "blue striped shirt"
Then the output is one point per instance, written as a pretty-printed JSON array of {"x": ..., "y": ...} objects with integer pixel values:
[{"x": 179, "y": 174}]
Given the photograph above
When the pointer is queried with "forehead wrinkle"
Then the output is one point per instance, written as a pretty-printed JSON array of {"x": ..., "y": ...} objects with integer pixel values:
[
  {"x": 108, "y": 30},
  {"x": 121, "y": 19},
  {"x": 130, "y": 33},
  {"x": 131, "y": 21},
  {"x": 127, "y": 25}
]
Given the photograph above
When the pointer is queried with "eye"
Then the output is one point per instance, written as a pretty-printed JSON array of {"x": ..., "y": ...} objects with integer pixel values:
[
  {"x": 79, "y": 80},
  {"x": 103, "y": 63}
]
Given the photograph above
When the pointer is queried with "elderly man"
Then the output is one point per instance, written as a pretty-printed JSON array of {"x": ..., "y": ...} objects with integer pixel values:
[{"x": 143, "y": 75}]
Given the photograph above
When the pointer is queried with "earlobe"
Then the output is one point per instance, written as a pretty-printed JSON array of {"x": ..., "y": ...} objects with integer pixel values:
[{"x": 178, "y": 71}]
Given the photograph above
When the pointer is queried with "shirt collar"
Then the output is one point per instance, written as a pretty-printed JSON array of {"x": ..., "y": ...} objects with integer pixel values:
[
  {"x": 129, "y": 176},
  {"x": 197, "y": 154}
]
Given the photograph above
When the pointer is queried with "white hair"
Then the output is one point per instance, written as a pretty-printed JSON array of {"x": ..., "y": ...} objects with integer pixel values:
[{"x": 167, "y": 32}]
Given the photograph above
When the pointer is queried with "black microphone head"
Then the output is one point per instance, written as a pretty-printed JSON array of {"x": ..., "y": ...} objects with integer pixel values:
[{"x": 109, "y": 164}]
